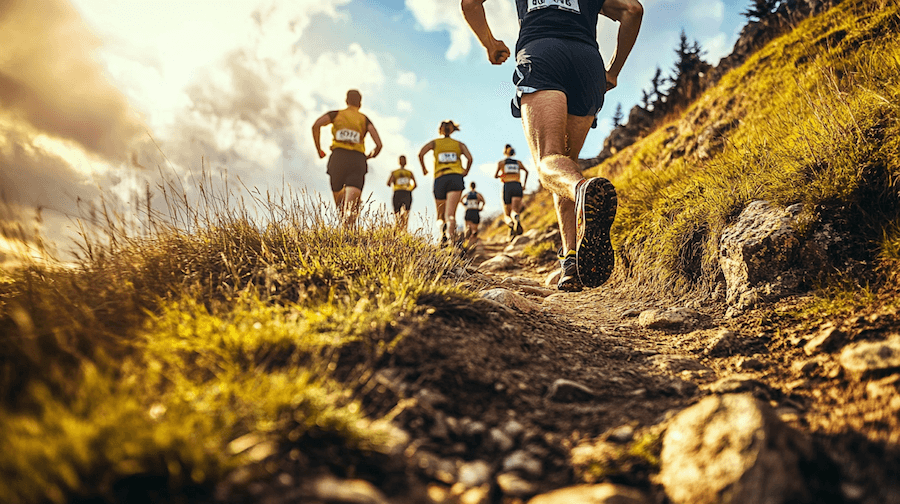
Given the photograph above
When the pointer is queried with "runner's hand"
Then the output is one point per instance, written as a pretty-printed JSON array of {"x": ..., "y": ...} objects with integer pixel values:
[
  {"x": 611, "y": 81},
  {"x": 321, "y": 154},
  {"x": 497, "y": 52}
]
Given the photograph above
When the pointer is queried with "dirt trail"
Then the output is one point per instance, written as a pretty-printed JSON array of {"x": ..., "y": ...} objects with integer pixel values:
[{"x": 624, "y": 379}]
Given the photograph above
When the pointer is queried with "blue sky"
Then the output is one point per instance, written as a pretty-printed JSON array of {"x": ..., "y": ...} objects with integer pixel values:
[{"x": 239, "y": 83}]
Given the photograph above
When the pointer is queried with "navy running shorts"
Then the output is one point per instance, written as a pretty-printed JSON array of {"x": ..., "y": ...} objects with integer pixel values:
[
  {"x": 448, "y": 183},
  {"x": 347, "y": 168},
  {"x": 473, "y": 216},
  {"x": 402, "y": 199},
  {"x": 511, "y": 190},
  {"x": 575, "y": 68}
]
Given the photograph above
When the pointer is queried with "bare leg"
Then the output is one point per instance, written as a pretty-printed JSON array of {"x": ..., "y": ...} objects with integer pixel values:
[
  {"x": 352, "y": 196},
  {"x": 555, "y": 139},
  {"x": 441, "y": 206},
  {"x": 453, "y": 198}
]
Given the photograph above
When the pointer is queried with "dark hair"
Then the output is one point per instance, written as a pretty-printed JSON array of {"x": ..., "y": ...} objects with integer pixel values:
[
  {"x": 472, "y": 185},
  {"x": 354, "y": 98},
  {"x": 402, "y": 160},
  {"x": 509, "y": 151},
  {"x": 448, "y": 122}
]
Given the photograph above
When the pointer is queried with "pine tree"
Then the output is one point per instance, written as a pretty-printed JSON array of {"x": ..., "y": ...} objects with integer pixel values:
[
  {"x": 617, "y": 115},
  {"x": 759, "y": 9}
]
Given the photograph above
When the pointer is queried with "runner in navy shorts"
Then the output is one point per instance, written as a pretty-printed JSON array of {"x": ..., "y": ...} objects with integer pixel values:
[{"x": 574, "y": 68}]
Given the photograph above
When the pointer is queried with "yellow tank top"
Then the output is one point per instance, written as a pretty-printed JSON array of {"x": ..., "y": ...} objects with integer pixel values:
[
  {"x": 402, "y": 179},
  {"x": 447, "y": 157},
  {"x": 510, "y": 171},
  {"x": 349, "y": 130}
]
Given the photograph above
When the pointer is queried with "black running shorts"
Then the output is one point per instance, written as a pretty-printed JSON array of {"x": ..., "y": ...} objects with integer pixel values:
[
  {"x": 402, "y": 199},
  {"x": 511, "y": 190},
  {"x": 572, "y": 67},
  {"x": 347, "y": 168},
  {"x": 448, "y": 183},
  {"x": 473, "y": 216}
]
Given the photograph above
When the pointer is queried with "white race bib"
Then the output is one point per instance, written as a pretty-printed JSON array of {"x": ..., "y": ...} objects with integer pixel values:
[
  {"x": 511, "y": 168},
  {"x": 403, "y": 181},
  {"x": 569, "y": 5},
  {"x": 346, "y": 136},
  {"x": 447, "y": 157},
  {"x": 472, "y": 203}
]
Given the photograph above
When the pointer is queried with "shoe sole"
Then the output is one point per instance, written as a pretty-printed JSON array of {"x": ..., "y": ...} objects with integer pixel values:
[
  {"x": 569, "y": 286},
  {"x": 595, "y": 258}
]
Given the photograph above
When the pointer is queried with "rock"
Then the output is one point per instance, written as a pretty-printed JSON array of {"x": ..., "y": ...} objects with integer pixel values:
[
  {"x": 501, "y": 440},
  {"x": 631, "y": 312},
  {"x": 737, "y": 383},
  {"x": 672, "y": 319},
  {"x": 510, "y": 299},
  {"x": 477, "y": 495},
  {"x": 675, "y": 364},
  {"x": 885, "y": 387},
  {"x": 867, "y": 358},
  {"x": 518, "y": 280},
  {"x": 474, "y": 474},
  {"x": 756, "y": 252},
  {"x": 331, "y": 489},
  {"x": 513, "y": 485},
  {"x": 553, "y": 278},
  {"x": 622, "y": 434},
  {"x": 537, "y": 291},
  {"x": 500, "y": 262},
  {"x": 723, "y": 343},
  {"x": 605, "y": 493},
  {"x": 829, "y": 338},
  {"x": 513, "y": 429},
  {"x": 563, "y": 390},
  {"x": 524, "y": 463},
  {"x": 733, "y": 449},
  {"x": 750, "y": 364},
  {"x": 518, "y": 244}
]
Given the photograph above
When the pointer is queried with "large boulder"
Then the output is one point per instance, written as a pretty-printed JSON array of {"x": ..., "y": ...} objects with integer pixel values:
[
  {"x": 757, "y": 252},
  {"x": 733, "y": 449}
]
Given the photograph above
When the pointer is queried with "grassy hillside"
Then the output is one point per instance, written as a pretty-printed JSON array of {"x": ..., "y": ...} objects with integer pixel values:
[
  {"x": 160, "y": 364},
  {"x": 812, "y": 118}
]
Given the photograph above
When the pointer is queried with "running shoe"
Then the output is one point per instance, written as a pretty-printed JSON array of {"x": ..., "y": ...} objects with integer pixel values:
[
  {"x": 568, "y": 280},
  {"x": 512, "y": 229},
  {"x": 595, "y": 210},
  {"x": 518, "y": 226}
]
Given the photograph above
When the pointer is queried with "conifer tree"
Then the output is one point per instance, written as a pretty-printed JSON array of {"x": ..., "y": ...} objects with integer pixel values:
[
  {"x": 758, "y": 9},
  {"x": 617, "y": 115}
]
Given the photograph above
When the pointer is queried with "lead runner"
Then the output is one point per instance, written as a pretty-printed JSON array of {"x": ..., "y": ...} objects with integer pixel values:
[{"x": 560, "y": 85}]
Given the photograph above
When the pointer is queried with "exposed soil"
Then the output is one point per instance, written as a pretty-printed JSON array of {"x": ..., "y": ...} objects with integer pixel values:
[{"x": 474, "y": 378}]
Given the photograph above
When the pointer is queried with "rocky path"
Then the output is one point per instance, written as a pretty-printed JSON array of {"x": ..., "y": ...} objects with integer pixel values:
[{"x": 612, "y": 395}]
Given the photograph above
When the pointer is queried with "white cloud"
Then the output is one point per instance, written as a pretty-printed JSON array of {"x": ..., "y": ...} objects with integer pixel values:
[
  {"x": 404, "y": 106},
  {"x": 709, "y": 14},
  {"x": 435, "y": 15},
  {"x": 407, "y": 79}
]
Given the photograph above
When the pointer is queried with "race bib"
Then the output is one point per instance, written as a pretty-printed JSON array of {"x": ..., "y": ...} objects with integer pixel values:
[
  {"x": 569, "y": 5},
  {"x": 447, "y": 157},
  {"x": 472, "y": 204},
  {"x": 402, "y": 181},
  {"x": 346, "y": 136},
  {"x": 511, "y": 168}
]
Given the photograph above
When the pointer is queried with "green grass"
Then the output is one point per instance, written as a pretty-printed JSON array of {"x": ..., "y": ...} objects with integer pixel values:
[
  {"x": 818, "y": 125},
  {"x": 208, "y": 344}
]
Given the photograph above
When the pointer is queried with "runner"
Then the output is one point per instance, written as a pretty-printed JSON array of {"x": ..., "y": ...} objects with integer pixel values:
[
  {"x": 347, "y": 164},
  {"x": 561, "y": 81},
  {"x": 508, "y": 171},
  {"x": 403, "y": 182},
  {"x": 474, "y": 203},
  {"x": 448, "y": 176}
]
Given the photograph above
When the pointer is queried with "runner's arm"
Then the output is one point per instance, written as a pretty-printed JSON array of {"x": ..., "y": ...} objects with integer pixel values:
[
  {"x": 499, "y": 171},
  {"x": 390, "y": 180},
  {"x": 480, "y": 202},
  {"x": 473, "y": 11},
  {"x": 465, "y": 152},
  {"x": 628, "y": 13},
  {"x": 425, "y": 148},
  {"x": 413, "y": 178},
  {"x": 374, "y": 132},
  {"x": 317, "y": 130},
  {"x": 522, "y": 168}
]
